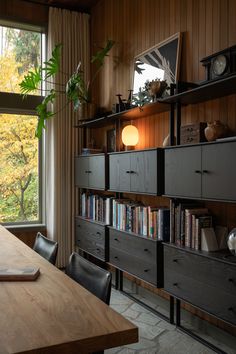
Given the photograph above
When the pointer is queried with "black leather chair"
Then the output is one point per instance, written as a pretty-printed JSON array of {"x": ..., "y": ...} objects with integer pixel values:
[
  {"x": 46, "y": 248},
  {"x": 90, "y": 276}
]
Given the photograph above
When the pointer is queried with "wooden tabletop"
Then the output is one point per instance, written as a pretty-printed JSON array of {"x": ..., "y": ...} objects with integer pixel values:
[{"x": 53, "y": 314}]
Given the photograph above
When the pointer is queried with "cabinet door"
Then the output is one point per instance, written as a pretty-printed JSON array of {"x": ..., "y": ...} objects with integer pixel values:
[
  {"x": 97, "y": 172},
  {"x": 183, "y": 172},
  {"x": 219, "y": 171},
  {"x": 119, "y": 172},
  {"x": 81, "y": 171},
  {"x": 143, "y": 174}
]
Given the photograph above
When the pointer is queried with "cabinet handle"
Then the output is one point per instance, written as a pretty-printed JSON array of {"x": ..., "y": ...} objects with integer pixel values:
[
  {"x": 116, "y": 257},
  {"x": 146, "y": 270},
  {"x": 78, "y": 225},
  {"x": 189, "y": 139},
  {"x": 116, "y": 239},
  {"x": 127, "y": 171},
  {"x": 89, "y": 171},
  {"x": 231, "y": 280},
  {"x": 98, "y": 249},
  {"x": 205, "y": 171},
  {"x": 175, "y": 284},
  {"x": 198, "y": 171},
  {"x": 98, "y": 233},
  {"x": 231, "y": 309},
  {"x": 146, "y": 250},
  {"x": 175, "y": 260},
  {"x": 132, "y": 172}
]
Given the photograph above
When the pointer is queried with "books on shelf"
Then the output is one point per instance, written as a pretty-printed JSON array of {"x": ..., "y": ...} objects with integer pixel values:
[
  {"x": 187, "y": 221},
  {"x": 146, "y": 221},
  {"x": 96, "y": 207}
]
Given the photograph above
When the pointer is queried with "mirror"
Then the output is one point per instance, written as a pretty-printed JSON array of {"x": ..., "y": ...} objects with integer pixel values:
[{"x": 159, "y": 62}]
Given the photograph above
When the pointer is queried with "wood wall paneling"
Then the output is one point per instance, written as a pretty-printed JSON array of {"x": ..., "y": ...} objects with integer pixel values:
[{"x": 207, "y": 25}]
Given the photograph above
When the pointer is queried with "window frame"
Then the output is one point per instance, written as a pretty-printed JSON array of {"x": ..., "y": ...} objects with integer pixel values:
[{"x": 13, "y": 103}]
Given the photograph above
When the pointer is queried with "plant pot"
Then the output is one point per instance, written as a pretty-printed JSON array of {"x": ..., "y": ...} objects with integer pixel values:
[{"x": 87, "y": 111}]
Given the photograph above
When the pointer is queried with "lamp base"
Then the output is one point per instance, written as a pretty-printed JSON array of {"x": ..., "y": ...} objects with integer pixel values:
[{"x": 129, "y": 147}]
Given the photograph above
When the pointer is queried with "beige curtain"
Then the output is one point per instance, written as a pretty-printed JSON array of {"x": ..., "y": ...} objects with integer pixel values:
[{"x": 71, "y": 29}]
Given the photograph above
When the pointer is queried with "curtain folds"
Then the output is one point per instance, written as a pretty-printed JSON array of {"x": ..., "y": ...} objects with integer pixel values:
[{"x": 71, "y": 29}]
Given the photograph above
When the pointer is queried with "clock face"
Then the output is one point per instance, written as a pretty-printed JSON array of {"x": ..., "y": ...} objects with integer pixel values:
[{"x": 219, "y": 65}]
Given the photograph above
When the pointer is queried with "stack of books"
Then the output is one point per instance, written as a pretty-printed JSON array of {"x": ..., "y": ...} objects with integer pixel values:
[
  {"x": 96, "y": 207},
  {"x": 187, "y": 222},
  {"x": 134, "y": 217}
]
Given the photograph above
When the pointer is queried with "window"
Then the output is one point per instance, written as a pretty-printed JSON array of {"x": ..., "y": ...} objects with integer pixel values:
[{"x": 21, "y": 50}]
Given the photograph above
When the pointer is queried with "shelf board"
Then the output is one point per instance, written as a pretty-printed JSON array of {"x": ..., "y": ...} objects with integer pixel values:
[
  {"x": 205, "y": 92},
  {"x": 131, "y": 114},
  {"x": 91, "y": 220}
]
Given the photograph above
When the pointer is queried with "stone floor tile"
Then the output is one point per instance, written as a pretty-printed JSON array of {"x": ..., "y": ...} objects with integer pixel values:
[
  {"x": 148, "y": 318},
  {"x": 131, "y": 313},
  {"x": 142, "y": 344},
  {"x": 120, "y": 308},
  {"x": 147, "y": 331}
]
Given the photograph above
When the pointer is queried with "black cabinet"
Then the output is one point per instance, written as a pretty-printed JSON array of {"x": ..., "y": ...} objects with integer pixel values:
[
  {"x": 205, "y": 281},
  {"x": 203, "y": 171},
  {"x": 136, "y": 255},
  {"x": 92, "y": 238},
  {"x": 137, "y": 172},
  {"x": 90, "y": 171}
]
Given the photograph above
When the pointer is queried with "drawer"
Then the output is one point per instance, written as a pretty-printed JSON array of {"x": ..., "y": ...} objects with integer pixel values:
[
  {"x": 213, "y": 300},
  {"x": 134, "y": 265},
  {"x": 91, "y": 238},
  {"x": 205, "y": 270},
  {"x": 139, "y": 247}
]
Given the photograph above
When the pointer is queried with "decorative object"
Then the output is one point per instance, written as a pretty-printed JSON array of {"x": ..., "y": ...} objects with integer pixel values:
[
  {"x": 111, "y": 140},
  {"x": 77, "y": 90},
  {"x": 192, "y": 133},
  {"x": 231, "y": 241},
  {"x": 220, "y": 64},
  {"x": 208, "y": 239},
  {"x": 156, "y": 88},
  {"x": 166, "y": 141},
  {"x": 162, "y": 61},
  {"x": 215, "y": 130},
  {"x": 130, "y": 136},
  {"x": 141, "y": 98}
]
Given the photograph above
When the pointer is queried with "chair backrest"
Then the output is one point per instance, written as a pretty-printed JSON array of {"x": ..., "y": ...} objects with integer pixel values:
[
  {"x": 90, "y": 276},
  {"x": 46, "y": 248}
]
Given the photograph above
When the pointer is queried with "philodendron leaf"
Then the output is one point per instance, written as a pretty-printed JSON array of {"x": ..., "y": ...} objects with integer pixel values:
[
  {"x": 100, "y": 55},
  {"x": 43, "y": 112},
  {"x": 31, "y": 81},
  {"x": 53, "y": 64}
]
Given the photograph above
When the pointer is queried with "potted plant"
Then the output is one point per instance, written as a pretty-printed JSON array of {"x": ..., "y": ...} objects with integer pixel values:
[{"x": 77, "y": 90}]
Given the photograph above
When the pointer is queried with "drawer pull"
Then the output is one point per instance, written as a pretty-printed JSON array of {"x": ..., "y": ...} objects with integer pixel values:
[
  {"x": 175, "y": 284},
  {"x": 205, "y": 171},
  {"x": 175, "y": 260},
  {"x": 127, "y": 171},
  {"x": 98, "y": 249},
  {"x": 116, "y": 257},
  {"x": 116, "y": 239},
  {"x": 231, "y": 280},
  {"x": 78, "y": 225},
  {"x": 198, "y": 171},
  {"x": 98, "y": 233},
  {"x": 132, "y": 172},
  {"x": 146, "y": 270},
  {"x": 146, "y": 250}
]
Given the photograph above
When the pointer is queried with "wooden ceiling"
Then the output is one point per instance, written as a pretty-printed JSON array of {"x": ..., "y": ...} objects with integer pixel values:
[{"x": 75, "y": 5}]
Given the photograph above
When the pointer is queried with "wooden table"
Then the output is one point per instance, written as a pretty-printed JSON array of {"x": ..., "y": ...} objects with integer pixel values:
[{"x": 53, "y": 314}]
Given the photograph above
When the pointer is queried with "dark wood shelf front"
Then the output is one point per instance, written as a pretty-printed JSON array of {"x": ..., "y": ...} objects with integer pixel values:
[
  {"x": 131, "y": 114},
  {"x": 204, "y": 92}
]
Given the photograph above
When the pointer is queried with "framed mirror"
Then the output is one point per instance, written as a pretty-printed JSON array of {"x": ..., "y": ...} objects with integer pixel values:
[{"x": 161, "y": 62}]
